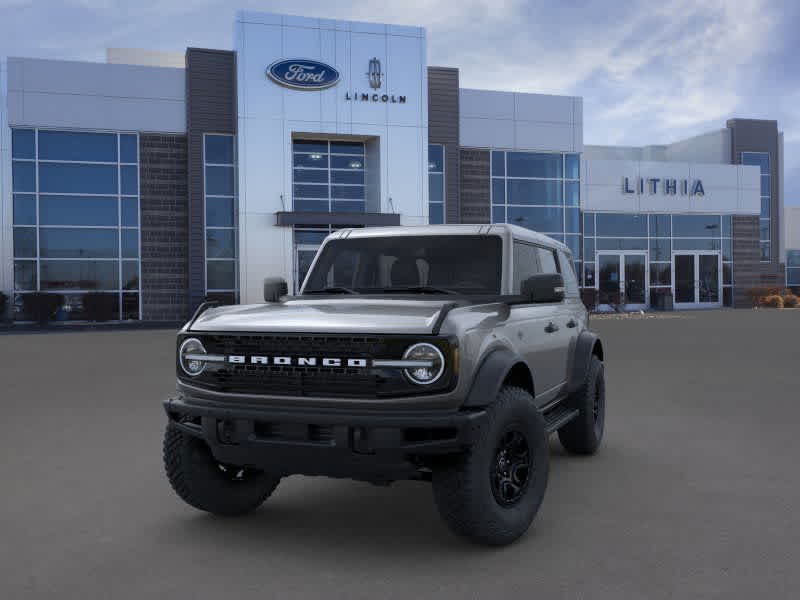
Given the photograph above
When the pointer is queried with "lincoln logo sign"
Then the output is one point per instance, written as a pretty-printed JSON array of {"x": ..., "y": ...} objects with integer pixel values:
[
  {"x": 669, "y": 187},
  {"x": 302, "y": 74}
]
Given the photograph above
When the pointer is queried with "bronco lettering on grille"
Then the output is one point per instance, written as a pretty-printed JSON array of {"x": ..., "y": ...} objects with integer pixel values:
[{"x": 300, "y": 361}]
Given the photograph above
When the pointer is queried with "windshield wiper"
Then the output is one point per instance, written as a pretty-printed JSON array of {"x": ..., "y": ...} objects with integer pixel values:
[
  {"x": 332, "y": 290},
  {"x": 419, "y": 289}
]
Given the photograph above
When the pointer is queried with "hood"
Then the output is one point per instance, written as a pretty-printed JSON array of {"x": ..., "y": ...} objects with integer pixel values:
[{"x": 328, "y": 315}]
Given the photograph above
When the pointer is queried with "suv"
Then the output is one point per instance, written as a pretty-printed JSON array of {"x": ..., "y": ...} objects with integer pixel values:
[{"x": 438, "y": 353}]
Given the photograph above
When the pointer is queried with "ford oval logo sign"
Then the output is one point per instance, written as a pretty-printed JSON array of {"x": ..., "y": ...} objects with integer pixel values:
[{"x": 303, "y": 74}]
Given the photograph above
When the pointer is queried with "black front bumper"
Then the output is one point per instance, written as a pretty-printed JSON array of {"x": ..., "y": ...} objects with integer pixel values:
[{"x": 375, "y": 445}]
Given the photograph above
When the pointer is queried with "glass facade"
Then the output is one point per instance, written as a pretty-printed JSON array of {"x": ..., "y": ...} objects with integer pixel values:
[
  {"x": 793, "y": 268},
  {"x": 658, "y": 235},
  {"x": 435, "y": 184},
  {"x": 540, "y": 191},
  {"x": 221, "y": 223},
  {"x": 328, "y": 176},
  {"x": 761, "y": 160},
  {"x": 76, "y": 220}
]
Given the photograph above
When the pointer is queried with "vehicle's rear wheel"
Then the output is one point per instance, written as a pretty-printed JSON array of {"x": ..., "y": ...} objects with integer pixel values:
[
  {"x": 584, "y": 433},
  {"x": 491, "y": 493},
  {"x": 202, "y": 482}
]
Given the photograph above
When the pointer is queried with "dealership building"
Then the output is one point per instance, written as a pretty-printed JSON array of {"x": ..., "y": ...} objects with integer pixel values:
[{"x": 166, "y": 179}]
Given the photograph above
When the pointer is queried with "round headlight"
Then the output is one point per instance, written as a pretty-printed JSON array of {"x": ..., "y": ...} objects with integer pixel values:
[
  {"x": 429, "y": 372},
  {"x": 191, "y": 355}
]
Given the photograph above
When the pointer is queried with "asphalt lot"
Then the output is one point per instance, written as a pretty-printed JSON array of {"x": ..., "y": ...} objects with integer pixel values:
[{"x": 695, "y": 493}]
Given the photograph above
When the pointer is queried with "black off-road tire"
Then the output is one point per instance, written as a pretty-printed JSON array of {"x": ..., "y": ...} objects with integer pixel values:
[
  {"x": 584, "y": 434},
  {"x": 203, "y": 483},
  {"x": 465, "y": 489}
]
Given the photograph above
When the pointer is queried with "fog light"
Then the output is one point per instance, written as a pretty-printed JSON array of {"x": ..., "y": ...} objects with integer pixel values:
[
  {"x": 191, "y": 355},
  {"x": 431, "y": 367}
]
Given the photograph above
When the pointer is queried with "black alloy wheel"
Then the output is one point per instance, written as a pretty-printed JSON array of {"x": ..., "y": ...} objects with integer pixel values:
[{"x": 510, "y": 471}]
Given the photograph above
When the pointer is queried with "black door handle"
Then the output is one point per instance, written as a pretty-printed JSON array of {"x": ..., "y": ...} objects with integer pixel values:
[
  {"x": 551, "y": 327},
  {"x": 572, "y": 323}
]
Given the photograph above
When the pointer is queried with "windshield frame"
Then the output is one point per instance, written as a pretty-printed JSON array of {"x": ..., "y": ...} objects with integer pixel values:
[{"x": 422, "y": 295}]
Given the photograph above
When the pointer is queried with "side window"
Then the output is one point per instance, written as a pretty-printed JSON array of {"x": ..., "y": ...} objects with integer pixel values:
[
  {"x": 570, "y": 279},
  {"x": 547, "y": 260},
  {"x": 526, "y": 263}
]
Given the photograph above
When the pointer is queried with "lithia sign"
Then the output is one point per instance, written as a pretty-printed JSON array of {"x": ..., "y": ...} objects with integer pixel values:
[
  {"x": 667, "y": 186},
  {"x": 306, "y": 74}
]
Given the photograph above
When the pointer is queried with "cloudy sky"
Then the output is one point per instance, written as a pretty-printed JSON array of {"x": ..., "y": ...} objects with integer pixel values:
[{"x": 649, "y": 72}]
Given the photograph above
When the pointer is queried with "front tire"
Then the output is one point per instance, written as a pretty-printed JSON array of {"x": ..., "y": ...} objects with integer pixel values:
[
  {"x": 584, "y": 433},
  {"x": 202, "y": 482},
  {"x": 491, "y": 493}
]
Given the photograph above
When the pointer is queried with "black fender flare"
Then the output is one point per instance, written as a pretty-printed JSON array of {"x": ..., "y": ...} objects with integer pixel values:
[
  {"x": 490, "y": 376},
  {"x": 588, "y": 344}
]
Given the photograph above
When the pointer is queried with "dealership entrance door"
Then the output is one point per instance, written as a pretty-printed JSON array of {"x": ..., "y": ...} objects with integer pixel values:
[
  {"x": 697, "y": 279},
  {"x": 622, "y": 280}
]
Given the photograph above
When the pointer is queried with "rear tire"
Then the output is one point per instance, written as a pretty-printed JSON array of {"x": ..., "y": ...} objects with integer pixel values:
[
  {"x": 584, "y": 433},
  {"x": 202, "y": 482},
  {"x": 491, "y": 493}
]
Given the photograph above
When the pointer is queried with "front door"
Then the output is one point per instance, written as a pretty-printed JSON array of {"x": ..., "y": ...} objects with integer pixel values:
[
  {"x": 622, "y": 280},
  {"x": 697, "y": 279}
]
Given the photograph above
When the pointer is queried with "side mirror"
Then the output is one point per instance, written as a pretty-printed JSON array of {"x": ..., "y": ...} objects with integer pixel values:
[
  {"x": 543, "y": 287},
  {"x": 274, "y": 288}
]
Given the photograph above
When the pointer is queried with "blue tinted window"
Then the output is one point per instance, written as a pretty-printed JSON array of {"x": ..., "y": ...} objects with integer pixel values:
[
  {"x": 727, "y": 225},
  {"x": 219, "y": 181},
  {"x": 24, "y": 209},
  {"x": 498, "y": 214},
  {"x": 660, "y": 249},
  {"x": 543, "y": 219},
  {"x": 130, "y": 212},
  {"x": 310, "y": 146},
  {"x": 572, "y": 190},
  {"x": 764, "y": 229},
  {"x": 759, "y": 159},
  {"x": 77, "y": 210},
  {"x": 765, "y": 185},
  {"x": 529, "y": 164},
  {"x": 130, "y": 243},
  {"x": 128, "y": 149},
  {"x": 436, "y": 214},
  {"x": 314, "y": 238},
  {"x": 77, "y": 179},
  {"x": 80, "y": 275},
  {"x": 498, "y": 191},
  {"x": 573, "y": 166},
  {"x": 526, "y": 191},
  {"x": 310, "y": 191},
  {"x": 588, "y": 249},
  {"x": 660, "y": 226},
  {"x": 498, "y": 163},
  {"x": 572, "y": 221},
  {"x": 219, "y": 149},
  {"x": 347, "y": 148},
  {"x": 348, "y": 206},
  {"x": 129, "y": 180},
  {"x": 347, "y": 192},
  {"x": 623, "y": 225},
  {"x": 311, "y": 205},
  {"x": 25, "y": 242},
  {"x": 765, "y": 208},
  {"x": 220, "y": 274},
  {"x": 435, "y": 158},
  {"x": 338, "y": 162},
  {"x": 695, "y": 244},
  {"x": 313, "y": 175},
  {"x": 766, "y": 251},
  {"x": 696, "y": 225},
  {"x": 24, "y": 275},
  {"x": 220, "y": 243},
  {"x": 319, "y": 161},
  {"x": 727, "y": 249},
  {"x": 621, "y": 244},
  {"x": 574, "y": 243},
  {"x": 436, "y": 187},
  {"x": 23, "y": 143},
  {"x": 219, "y": 212},
  {"x": 588, "y": 224},
  {"x": 23, "y": 176},
  {"x": 73, "y": 145},
  {"x": 78, "y": 243},
  {"x": 130, "y": 275},
  {"x": 357, "y": 177},
  {"x": 793, "y": 277},
  {"x": 793, "y": 258}
]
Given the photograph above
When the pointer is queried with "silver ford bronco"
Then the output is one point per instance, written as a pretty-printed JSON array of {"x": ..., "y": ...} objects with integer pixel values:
[{"x": 438, "y": 353}]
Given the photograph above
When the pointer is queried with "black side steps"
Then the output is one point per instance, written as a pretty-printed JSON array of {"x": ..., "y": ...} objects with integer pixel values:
[{"x": 558, "y": 417}]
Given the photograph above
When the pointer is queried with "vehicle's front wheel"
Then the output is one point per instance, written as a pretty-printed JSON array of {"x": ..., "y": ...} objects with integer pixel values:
[
  {"x": 491, "y": 493},
  {"x": 202, "y": 482},
  {"x": 584, "y": 433}
]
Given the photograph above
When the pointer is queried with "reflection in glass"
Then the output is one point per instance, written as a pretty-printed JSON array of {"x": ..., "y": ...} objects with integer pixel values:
[
  {"x": 25, "y": 242},
  {"x": 219, "y": 149},
  {"x": 221, "y": 275},
  {"x": 24, "y": 209},
  {"x": 56, "y": 242},
  {"x": 531, "y": 164},
  {"x": 80, "y": 275},
  {"x": 622, "y": 225},
  {"x": 77, "y": 146},
  {"x": 542, "y": 219},
  {"x": 77, "y": 210},
  {"x": 66, "y": 178},
  {"x": 220, "y": 243},
  {"x": 24, "y": 275}
]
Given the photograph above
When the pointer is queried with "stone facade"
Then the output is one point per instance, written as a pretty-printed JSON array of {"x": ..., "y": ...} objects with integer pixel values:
[
  {"x": 164, "y": 227},
  {"x": 475, "y": 182}
]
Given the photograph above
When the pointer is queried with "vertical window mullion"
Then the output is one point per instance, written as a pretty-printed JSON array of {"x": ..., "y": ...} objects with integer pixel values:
[
  {"x": 119, "y": 231},
  {"x": 36, "y": 188}
]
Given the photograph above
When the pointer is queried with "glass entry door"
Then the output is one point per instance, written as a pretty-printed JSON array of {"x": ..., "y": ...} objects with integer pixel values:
[
  {"x": 622, "y": 280},
  {"x": 697, "y": 279}
]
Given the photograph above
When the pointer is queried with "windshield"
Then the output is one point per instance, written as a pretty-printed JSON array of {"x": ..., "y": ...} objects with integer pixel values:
[{"x": 434, "y": 264}]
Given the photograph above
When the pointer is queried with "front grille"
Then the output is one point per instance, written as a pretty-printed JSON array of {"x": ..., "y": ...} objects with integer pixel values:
[{"x": 294, "y": 380}]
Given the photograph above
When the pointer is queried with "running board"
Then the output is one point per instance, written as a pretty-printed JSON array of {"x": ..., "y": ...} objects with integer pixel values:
[{"x": 559, "y": 417}]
